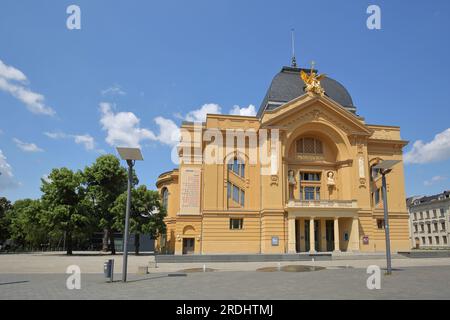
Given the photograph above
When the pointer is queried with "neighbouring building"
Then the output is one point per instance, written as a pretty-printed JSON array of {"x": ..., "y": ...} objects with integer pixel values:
[
  {"x": 322, "y": 195},
  {"x": 429, "y": 221}
]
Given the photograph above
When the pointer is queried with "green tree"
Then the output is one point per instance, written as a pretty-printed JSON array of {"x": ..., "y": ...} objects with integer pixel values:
[
  {"x": 27, "y": 224},
  {"x": 105, "y": 180},
  {"x": 5, "y": 206},
  {"x": 146, "y": 214},
  {"x": 65, "y": 205}
]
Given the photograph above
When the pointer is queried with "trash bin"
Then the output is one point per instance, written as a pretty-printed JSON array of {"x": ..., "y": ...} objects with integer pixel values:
[{"x": 108, "y": 269}]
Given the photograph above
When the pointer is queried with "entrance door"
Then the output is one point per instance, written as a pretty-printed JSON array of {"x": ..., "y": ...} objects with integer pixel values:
[
  {"x": 306, "y": 235},
  {"x": 330, "y": 235},
  {"x": 188, "y": 245},
  {"x": 317, "y": 235}
]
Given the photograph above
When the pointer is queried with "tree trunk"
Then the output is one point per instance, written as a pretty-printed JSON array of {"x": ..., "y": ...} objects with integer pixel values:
[
  {"x": 69, "y": 243},
  {"x": 105, "y": 246},
  {"x": 111, "y": 240},
  {"x": 137, "y": 243}
]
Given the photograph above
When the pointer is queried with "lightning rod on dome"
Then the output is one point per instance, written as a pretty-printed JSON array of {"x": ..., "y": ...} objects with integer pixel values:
[{"x": 293, "y": 61}]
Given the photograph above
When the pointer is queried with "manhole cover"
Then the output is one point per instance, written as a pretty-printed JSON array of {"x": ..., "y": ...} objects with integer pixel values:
[
  {"x": 192, "y": 270},
  {"x": 291, "y": 268}
]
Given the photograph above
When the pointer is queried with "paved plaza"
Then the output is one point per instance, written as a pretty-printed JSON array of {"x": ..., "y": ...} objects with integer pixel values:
[{"x": 39, "y": 276}]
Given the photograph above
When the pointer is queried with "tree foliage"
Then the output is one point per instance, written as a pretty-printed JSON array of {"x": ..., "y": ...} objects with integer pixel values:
[
  {"x": 105, "y": 180},
  {"x": 146, "y": 214},
  {"x": 75, "y": 205},
  {"x": 65, "y": 205},
  {"x": 5, "y": 206},
  {"x": 27, "y": 224}
]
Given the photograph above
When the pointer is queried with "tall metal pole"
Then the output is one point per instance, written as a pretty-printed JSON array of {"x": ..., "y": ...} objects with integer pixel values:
[
  {"x": 127, "y": 217},
  {"x": 386, "y": 223}
]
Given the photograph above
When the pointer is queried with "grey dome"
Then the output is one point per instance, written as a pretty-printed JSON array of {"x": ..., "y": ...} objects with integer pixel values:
[{"x": 287, "y": 85}]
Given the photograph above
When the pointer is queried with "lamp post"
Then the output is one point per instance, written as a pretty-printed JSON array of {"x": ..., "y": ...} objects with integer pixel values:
[
  {"x": 130, "y": 155},
  {"x": 384, "y": 168}
]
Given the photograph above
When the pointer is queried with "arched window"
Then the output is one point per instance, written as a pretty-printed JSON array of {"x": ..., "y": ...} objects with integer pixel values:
[
  {"x": 309, "y": 146},
  {"x": 165, "y": 198},
  {"x": 237, "y": 166}
]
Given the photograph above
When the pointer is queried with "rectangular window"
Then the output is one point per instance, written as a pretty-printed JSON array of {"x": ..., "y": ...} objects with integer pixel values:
[
  {"x": 421, "y": 215},
  {"x": 437, "y": 239},
  {"x": 229, "y": 190},
  {"x": 434, "y": 213},
  {"x": 319, "y": 148},
  {"x": 415, "y": 228},
  {"x": 444, "y": 239},
  {"x": 443, "y": 226},
  {"x": 435, "y": 227},
  {"x": 415, "y": 215},
  {"x": 423, "y": 240},
  {"x": 430, "y": 240},
  {"x": 422, "y": 228},
  {"x": 310, "y": 176},
  {"x": 318, "y": 193},
  {"x": 236, "y": 224},
  {"x": 380, "y": 223},
  {"x": 309, "y": 193},
  {"x": 308, "y": 145},
  {"x": 428, "y": 214},
  {"x": 442, "y": 212},
  {"x": 235, "y": 194},
  {"x": 300, "y": 146},
  {"x": 429, "y": 228},
  {"x": 242, "y": 197},
  {"x": 377, "y": 196}
]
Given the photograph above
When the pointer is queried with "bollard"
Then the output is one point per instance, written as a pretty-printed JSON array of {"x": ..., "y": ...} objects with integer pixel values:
[{"x": 108, "y": 269}]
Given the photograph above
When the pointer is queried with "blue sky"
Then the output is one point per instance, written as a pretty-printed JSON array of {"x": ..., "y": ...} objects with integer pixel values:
[{"x": 136, "y": 68}]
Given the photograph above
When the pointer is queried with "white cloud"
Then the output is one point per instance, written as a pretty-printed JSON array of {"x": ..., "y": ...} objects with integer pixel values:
[
  {"x": 84, "y": 139},
  {"x": 56, "y": 135},
  {"x": 436, "y": 150},
  {"x": 11, "y": 73},
  {"x": 249, "y": 111},
  {"x": 169, "y": 133},
  {"x": 199, "y": 115},
  {"x": 114, "y": 90},
  {"x": 15, "y": 83},
  {"x": 434, "y": 180},
  {"x": 123, "y": 128},
  {"x": 27, "y": 147},
  {"x": 7, "y": 180}
]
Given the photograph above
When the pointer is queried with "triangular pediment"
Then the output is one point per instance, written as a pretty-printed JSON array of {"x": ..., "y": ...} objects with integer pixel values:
[{"x": 314, "y": 108}]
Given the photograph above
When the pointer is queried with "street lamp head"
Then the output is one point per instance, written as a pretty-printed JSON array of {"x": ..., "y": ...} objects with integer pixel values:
[
  {"x": 154, "y": 210},
  {"x": 130, "y": 153},
  {"x": 386, "y": 166}
]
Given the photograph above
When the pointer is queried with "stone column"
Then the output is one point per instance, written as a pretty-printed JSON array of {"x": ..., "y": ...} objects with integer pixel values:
[
  {"x": 291, "y": 235},
  {"x": 354, "y": 236},
  {"x": 336, "y": 235},
  {"x": 312, "y": 248},
  {"x": 302, "y": 235}
]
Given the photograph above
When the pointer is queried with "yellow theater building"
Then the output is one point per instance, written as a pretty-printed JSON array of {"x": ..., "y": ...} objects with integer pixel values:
[{"x": 322, "y": 196}]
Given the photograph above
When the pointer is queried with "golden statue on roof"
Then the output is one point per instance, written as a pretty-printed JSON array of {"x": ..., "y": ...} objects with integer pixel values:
[{"x": 312, "y": 81}]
